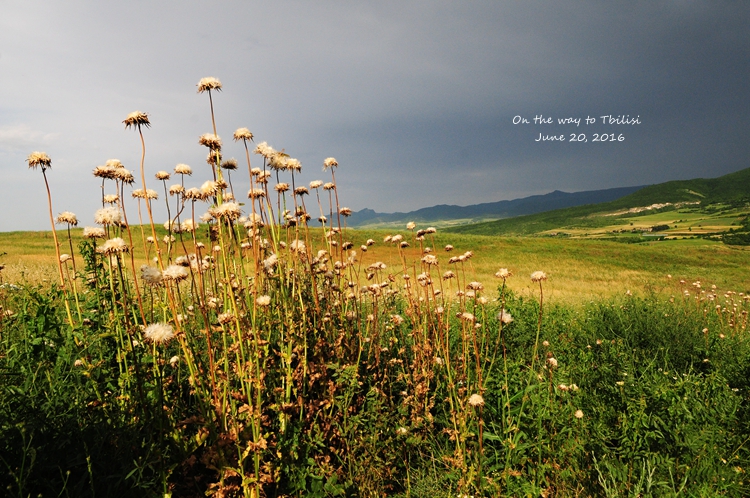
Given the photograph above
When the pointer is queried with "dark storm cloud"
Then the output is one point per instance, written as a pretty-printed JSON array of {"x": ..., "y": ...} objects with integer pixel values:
[{"x": 415, "y": 99}]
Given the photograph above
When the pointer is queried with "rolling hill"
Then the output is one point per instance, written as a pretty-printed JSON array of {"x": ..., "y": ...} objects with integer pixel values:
[
  {"x": 451, "y": 215},
  {"x": 728, "y": 194}
]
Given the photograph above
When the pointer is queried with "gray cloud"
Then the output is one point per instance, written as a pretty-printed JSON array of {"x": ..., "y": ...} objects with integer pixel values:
[{"x": 415, "y": 99}]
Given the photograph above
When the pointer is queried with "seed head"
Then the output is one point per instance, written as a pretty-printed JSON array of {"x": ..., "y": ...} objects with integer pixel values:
[
  {"x": 108, "y": 216},
  {"x": 208, "y": 84},
  {"x": 578, "y": 414},
  {"x": 538, "y": 276},
  {"x": 93, "y": 233},
  {"x": 113, "y": 246},
  {"x": 39, "y": 159},
  {"x": 151, "y": 275},
  {"x": 183, "y": 169},
  {"x": 162, "y": 175},
  {"x": 503, "y": 273},
  {"x": 263, "y": 300},
  {"x": 242, "y": 134},
  {"x": 476, "y": 400},
  {"x": 175, "y": 273},
  {"x": 329, "y": 186},
  {"x": 137, "y": 119},
  {"x": 111, "y": 198},
  {"x": 159, "y": 333},
  {"x": 229, "y": 164},
  {"x": 330, "y": 162},
  {"x": 67, "y": 217},
  {"x": 211, "y": 141}
]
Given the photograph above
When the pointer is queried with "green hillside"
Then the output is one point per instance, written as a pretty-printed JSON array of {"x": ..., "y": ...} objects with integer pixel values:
[{"x": 726, "y": 195}]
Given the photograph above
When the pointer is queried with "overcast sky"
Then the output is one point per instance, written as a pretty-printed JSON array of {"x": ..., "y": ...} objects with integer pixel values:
[{"x": 415, "y": 100}]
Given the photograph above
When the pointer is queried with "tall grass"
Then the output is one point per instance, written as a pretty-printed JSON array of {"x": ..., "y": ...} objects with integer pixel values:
[{"x": 264, "y": 357}]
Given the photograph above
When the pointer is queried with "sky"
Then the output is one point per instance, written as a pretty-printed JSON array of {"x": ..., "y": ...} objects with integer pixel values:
[{"x": 416, "y": 100}]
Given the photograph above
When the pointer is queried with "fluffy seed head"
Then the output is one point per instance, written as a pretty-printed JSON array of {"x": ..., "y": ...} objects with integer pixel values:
[
  {"x": 263, "y": 300},
  {"x": 93, "y": 233},
  {"x": 137, "y": 119},
  {"x": 210, "y": 140},
  {"x": 183, "y": 169},
  {"x": 159, "y": 333},
  {"x": 175, "y": 273},
  {"x": 39, "y": 159},
  {"x": 315, "y": 184},
  {"x": 229, "y": 164},
  {"x": 476, "y": 400},
  {"x": 162, "y": 175},
  {"x": 538, "y": 276},
  {"x": 111, "y": 198},
  {"x": 151, "y": 275},
  {"x": 330, "y": 162},
  {"x": 67, "y": 217},
  {"x": 113, "y": 246},
  {"x": 503, "y": 273},
  {"x": 209, "y": 83},
  {"x": 108, "y": 216},
  {"x": 578, "y": 414},
  {"x": 242, "y": 134}
]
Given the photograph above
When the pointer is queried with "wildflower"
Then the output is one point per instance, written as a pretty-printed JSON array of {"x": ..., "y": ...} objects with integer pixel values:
[
  {"x": 137, "y": 119},
  {"x": 189, "y": 226},
  {"x": 162, "y": 175},
  {"x": 504, "y": 317},
  {"x": 448, "y": 275},
  {"x": 264, "y": 150},
  {"x": 345, "y": 211},
  {"x": 578, "y": 414},
  {"x": 78, "y": 363},
  {"x": 429, "y": 259},
  {"x": 229, "y": 164},
  {"x": 330, "y": 162},
  {"x": 229, "y": 210},
  {"x": 111, "y": 198},
  {"x": 475, "y": 286},
  {"x": 151, "y": 275},
  {"x": 411, "y": 225},
  {"x": 315, "y": 184},
  {"x": 211, "y": 141},
  {"x": 476, "y": 400},
  {"x": 209, "y": 83},
  {"x": 108, "y": 216},
  {"x": 402, "y": 431},
  {"x": 175, "y": 273},
  {"x": 503, "y": 273},
  {"x": 448, "y": 248},
  {"x": 124, "y": 176},
  {"x": 64, "y": 258},
  {"x": 552, "y": 362},
  {"x": 329, "y": 186},
  {"x": 263, "y": 300},
  {"x": 173, "y": 361},
  {"x": 93, "y": 232},
  {"x": 466, "y": 316},
  {"x": 176, "y": 189},
  {"x": 242, "y": 134},
  {"x": 183, "y": 169},
  {"x": 39, "y": 159},
  {"x": 113, "y": 246},
  {"x": 397, "y": 319},
  {"x": 293, "y": 164},
  {"x": 225, "y": 318},
  {"x": 538, "y": 276},
  {"x": 281, "y": 187},
  {"x": 159, "y": 333},
  {"x": 67, "y": 217}
]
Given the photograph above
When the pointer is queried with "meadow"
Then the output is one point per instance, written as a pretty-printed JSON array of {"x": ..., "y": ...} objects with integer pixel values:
[{"x": 242, "y": 352}]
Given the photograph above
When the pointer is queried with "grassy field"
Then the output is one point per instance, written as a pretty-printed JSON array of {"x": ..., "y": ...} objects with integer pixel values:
[{"x": 578, "y": 270}]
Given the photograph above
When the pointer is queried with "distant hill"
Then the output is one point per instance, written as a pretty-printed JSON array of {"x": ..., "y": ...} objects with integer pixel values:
[
  {"x": 448, "y": 214},
  {"x": 731, "y": 189}
]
